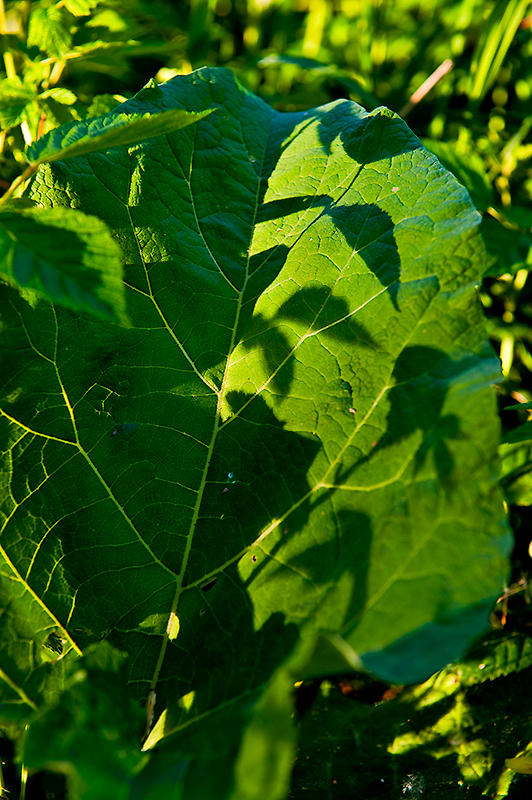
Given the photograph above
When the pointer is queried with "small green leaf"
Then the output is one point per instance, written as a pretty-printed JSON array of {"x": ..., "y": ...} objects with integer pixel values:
[
  {"x": 80, "y": 8},
  {"x": 49, "y": 30},
  {"x": 104, "y": 103},
  {"x": 63, "y": 255},
  {"x": 114, "y": 130},
  {"x": 26, "y": 623},
  {"x": 60, "y": 95},
  {"x": 14, "y": 101},
  {"x": 173, "y": 627}
]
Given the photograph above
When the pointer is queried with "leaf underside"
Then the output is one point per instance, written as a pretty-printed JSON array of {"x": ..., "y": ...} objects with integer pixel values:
[{"x": 296, "y": 435}]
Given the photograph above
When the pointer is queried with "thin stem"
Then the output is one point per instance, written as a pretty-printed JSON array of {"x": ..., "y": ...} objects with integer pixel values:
[
  {"x": 30, "y": 170},
  {"x": 23, "y": 773},
  {"x": 427, "y": 85},
  {"x": 57, "y": 71},
  {"x": 23, "y": 782},
  {"x": 9, "y": 63},
  {"x": 26, "y": 133}
]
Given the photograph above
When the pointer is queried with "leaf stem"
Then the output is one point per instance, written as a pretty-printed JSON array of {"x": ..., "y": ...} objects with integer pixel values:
[
  {"x": 516, "y": 473},
  {"x": 30, "y": 170},
  {"x": 23, "y": 782},
  {"x": 9, "y": 63},
  {"x": 57, "y": 71}
]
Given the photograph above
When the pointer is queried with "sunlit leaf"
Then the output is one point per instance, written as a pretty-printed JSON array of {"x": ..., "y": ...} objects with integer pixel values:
[
  {"x": 293, "y": 447},
  {"x": 49, "y": 30},
  {"x": 14, "y": 100},
  {"x": 113, "y": 130}
]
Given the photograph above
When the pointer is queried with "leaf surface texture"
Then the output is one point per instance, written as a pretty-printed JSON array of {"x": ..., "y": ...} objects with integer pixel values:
[{"x": 290, "y": 452}]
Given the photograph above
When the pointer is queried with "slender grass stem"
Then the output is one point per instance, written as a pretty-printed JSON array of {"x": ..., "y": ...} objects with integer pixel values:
[
  {"x": 426, "y": 86},
  {"x": 9, "y": 62},
  {"x": 23, "y": 782},
  {"x": 30, "y": 170}
]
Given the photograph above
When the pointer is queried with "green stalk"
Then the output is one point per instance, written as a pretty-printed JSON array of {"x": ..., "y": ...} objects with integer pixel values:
[
  {"x": 23, "y": 782},
  {"x": 30, "y": 170},
  {"x": 9, "y": 63},
  {"x": 493, "y": 45}
]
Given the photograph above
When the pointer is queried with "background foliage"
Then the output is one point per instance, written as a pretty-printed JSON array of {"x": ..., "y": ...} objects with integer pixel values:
[{"x": 77, "y": 59}]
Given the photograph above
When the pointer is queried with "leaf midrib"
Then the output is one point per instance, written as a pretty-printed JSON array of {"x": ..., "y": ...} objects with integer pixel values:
[{"x": 216, "y": 423}]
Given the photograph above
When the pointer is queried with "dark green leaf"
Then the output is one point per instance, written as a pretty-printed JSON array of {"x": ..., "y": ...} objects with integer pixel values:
[
  {"x": 508, "y": 249},
  {"x": 442, "y": 740},
  {"x": 63, "y": 255},
  {"x": 100, "y": 726},
  {"x": 244, "y": 750}
]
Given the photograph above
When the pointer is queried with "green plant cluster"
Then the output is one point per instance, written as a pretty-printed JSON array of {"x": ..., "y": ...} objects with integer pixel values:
[{"x": 466, "y": 731}]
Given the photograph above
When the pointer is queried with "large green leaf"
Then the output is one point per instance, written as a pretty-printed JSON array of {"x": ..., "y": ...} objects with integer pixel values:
[{"x": 290, "y": 455}]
